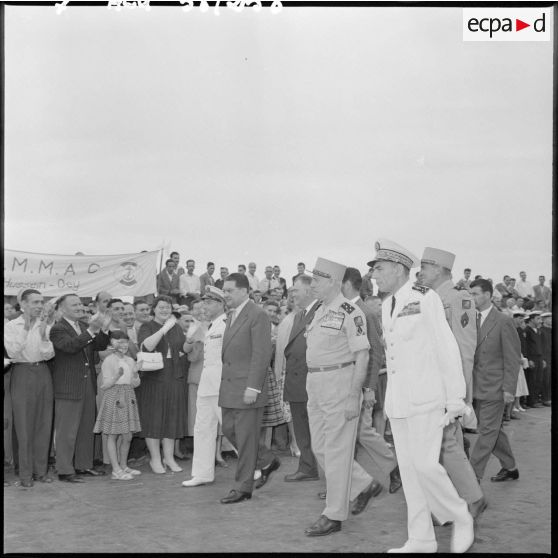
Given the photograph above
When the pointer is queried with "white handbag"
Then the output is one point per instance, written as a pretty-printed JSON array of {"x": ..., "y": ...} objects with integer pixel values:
[{"x": 150, "y": 362}]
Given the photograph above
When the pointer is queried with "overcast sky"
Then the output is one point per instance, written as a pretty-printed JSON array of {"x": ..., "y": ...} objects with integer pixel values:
[{"x": 276, "y": 138}]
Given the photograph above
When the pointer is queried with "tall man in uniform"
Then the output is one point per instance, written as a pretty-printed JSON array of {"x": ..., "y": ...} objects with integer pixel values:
[
  {"x": 296, "y": 371},
  {"x": 75, "y": 386},
  {"x": 495, "y": 372},
  {"x": 368, "y": 441},
  {"x": 246, "y": 356},
  {"x": 337, "y": 357},
  {"x": 425, "y": 391},
  {"x": 26, "y": 340},
  {"x": 208, "y": 412},
  {"x": 435, "y": 272}
]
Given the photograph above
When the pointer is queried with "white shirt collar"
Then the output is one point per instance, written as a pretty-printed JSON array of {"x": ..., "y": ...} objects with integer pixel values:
[
  {"x": 239, "y": 308},
  {"x": 354, "y": 300},
  {"x": 485, "y": 313}
]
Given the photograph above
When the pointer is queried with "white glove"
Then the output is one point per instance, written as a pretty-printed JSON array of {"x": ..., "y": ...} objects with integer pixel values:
[
  {"x": 454, "y": 409},
  {"x": 169, "y": 324}
]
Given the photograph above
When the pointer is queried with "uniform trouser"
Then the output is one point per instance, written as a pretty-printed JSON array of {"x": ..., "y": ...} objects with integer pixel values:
[
  {"x": 533, "y": 375},
  {"x": 31, "y": 391},
  {"x": 426, "y": 484},
  {"x": 333, "y": 439},
  {"x": 74, "y": 420},
  {"x": 455, "y": 462},
  {"x": 242, "y": 428},
  {"x": 192, "y": 409},
  {"x": 370, "y": 443},
  {"x": 307, "y": 463},
  {"x": 208, "y": 417},
  {"x": 492, "y": 438}
]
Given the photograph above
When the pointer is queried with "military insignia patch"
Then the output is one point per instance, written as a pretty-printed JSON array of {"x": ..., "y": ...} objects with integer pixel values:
[
  {"x": 420, "y": 288},
  {"x": 465, "y": 317},
  {"x": 333, "y": 320},
  {"x": 466, "y": 304},
  {"x": 359, "y": 323},
  {"x": 347, "y": 307},
  {"x": 410, "y": 309}
]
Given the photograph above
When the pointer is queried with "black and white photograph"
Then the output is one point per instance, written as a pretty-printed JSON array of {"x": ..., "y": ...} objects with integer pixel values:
[{"x": 278, "y": 276}]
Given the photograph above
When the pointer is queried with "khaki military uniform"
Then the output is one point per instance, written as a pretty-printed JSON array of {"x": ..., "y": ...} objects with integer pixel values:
[{"x": 336, "y": 333}]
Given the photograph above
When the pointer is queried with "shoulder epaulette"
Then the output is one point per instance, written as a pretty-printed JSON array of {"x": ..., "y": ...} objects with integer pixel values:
[
  {"x": 347, "y": 307},
  {"x": 421, "y": 288}
]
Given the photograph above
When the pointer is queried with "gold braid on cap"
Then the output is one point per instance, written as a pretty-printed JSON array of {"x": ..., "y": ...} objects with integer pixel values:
[
  {"x": 396, "y": 257},
  {"x": 321, "y": 274}
]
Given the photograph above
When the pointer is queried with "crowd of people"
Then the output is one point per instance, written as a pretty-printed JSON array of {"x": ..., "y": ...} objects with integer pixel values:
[{"x": 327, "y": 365}]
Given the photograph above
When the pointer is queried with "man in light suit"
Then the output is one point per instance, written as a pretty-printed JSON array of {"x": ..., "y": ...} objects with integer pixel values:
[
  {"x": 247, "y": 353},
  {"x": 75, "y": 386},
  {"x": 425, "y": 391},
  {"x": 168, "y": 282},
  {"x": 496, "y": 367},
  {"x": 296, "y": 370}
]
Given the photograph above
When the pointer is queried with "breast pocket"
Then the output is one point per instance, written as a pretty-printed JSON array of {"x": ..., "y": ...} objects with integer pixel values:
[{"x": 407, "y": 325}]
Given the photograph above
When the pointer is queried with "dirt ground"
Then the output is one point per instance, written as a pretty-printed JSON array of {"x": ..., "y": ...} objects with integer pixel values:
[{"x": 156, "y": 514}]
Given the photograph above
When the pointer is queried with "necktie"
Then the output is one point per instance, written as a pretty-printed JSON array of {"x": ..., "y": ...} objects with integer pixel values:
[
  {"x": 392, "y": 305},
  {"x": 478, "y": 327},
  {"x": 209, "y": 326}
]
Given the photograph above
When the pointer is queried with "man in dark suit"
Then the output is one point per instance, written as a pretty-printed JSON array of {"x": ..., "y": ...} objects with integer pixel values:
[
  {"x": 168, "y": 281},
  {"x": 246, "y": 354},
  {"x": 534, "y": 354},
  {"x": 495, "y": 371},
  {"x": 296, "y": 370},
  {"x": 75, "y": 386}
]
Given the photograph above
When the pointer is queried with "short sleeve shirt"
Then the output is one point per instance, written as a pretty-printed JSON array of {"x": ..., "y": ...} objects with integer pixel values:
[{"x": 336, "y": 333}]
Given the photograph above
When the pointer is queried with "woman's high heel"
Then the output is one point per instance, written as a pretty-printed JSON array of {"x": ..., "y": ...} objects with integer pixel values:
[
  {"x": 177, "y": 469},
  {"x": 157, "y": 470}
]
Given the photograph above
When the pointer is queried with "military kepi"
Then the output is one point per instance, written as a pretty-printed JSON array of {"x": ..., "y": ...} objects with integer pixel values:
[
  {"x": 329, "y": 270},
  {"x": 435, "y": 256},
  {"x": 213, "y": 293},
  {"x": 388, "y": 251}
]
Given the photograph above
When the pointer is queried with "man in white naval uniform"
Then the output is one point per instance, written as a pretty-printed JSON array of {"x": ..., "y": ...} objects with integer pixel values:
[
  {"x": 425, "y": 391},
  {"x": 208, "y": 414}
]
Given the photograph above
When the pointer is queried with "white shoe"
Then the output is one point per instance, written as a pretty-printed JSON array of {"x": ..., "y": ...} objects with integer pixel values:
[
  {"x": 410, "y": 547},
  {"x": 463, "y": 534},
  {"x": 121, "y": 475},
  {"x": 195, "y": 482},
  {"x": 134, "y": 472}
]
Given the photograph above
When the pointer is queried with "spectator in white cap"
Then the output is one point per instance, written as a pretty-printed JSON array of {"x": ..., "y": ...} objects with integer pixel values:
[
  {"x": 425, "y": 392},
  {"x": 436, "y": 266},
  {"x": 337, "y": 351}
]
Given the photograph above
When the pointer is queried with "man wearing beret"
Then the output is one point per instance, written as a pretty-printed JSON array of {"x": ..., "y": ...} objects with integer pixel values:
[
  {"x": 337, "y": 355},
  {"x": 436, "y": 266},
  {"x": 425, "y": 391}
]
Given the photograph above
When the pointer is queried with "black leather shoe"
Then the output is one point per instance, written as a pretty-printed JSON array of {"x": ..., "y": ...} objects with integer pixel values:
[
  {"x": 361, "y": 501},
  {"x": 322, "y": 495},
  {"x": 476, "y": 508},
  {"x": 230, "y": 454},
  {"x": 324, "y": 526},
  {"x": 91, "y": 472},
  {"x": 266, "y": 472},
  {"x": 69, "y": 478},
  {"x": 394, "y": 481},
  {"x": 505, "y": 474},
  {"x": 300, "y": 476},
  {"x": 236, "y": 496}
]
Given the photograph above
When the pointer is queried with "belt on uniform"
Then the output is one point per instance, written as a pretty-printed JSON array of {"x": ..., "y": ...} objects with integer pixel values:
[
  {"x": 31, "y": 363},
  {"x": 330, "y": 367}
]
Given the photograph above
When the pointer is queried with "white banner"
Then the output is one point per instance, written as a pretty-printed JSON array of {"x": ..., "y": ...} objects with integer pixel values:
[{"x": 54, "y": 274}]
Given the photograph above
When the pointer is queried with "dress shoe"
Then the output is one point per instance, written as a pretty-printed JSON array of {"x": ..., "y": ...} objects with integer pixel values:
[
  {"x": 42, "y": 478},
  {"x": 463, "y": 534},
  {"x": 28, "y": 483},
  {"x": 322, "y": 495},
  {"x": 195, "y": 482},
  {"x": 221, "y": 463},
  {"x": 411, "y": 547},
  {"x": 157, "y": 468},
  {"x": 232, "y": 454},
  {"x": 505, "y": 474},
  {"x": 476, "y": 508},
  {"x": 91, "y": 472},
  {"x": 173, "y": 467},
  {"x": 361, "y": 501},
  {"x": 266, "y": 472},
  {"x": 300, "y": 476},
  {"x": 324, "y": 526},
  {"x": 69, "y": 478},
  {"x": 236, "y": 496},
  {"x": 514, "y": 416},
  {"x": 394, "y": 481}
]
